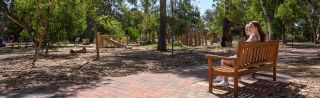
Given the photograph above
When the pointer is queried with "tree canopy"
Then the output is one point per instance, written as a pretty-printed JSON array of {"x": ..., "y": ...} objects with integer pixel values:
[{"x": 46, "y": 22}]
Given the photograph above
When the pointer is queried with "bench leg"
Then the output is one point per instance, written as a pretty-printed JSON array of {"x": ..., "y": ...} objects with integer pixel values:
[
  {"x": 210, "y": 74},
  {"x": 253, "y": 75},
  {"x": 274, "y": 72},
  {"x": 235, "y": 90},
  {"x": 210, "y": 83}
]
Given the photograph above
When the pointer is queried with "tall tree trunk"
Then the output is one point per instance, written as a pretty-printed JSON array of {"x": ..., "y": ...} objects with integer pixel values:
[
  {"x": 162, "y": 45},
  {"x": 206, "y": 39},
  {"x": 153, "y": 37},
  {"x": 140, "y": 39},
  {"x": 268, "y": 18},
  {"x": 284, "y": 41},
  {"x": 225, "y": 30},
  {"x": 47, "y": 47},
  {"x": 88, "y": 33},
  {"x": 149, "y": 38}
]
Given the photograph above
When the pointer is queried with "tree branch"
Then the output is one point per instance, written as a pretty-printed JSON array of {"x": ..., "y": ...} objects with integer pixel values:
[{"x": 4, "y": 9}]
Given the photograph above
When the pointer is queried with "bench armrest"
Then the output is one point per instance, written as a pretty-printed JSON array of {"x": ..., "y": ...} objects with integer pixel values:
[{"x": 208, "y": 56}]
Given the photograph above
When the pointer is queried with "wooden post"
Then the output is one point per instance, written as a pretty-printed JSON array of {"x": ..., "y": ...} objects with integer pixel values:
[
  {"x": 196, "y": 37},
  {"x": 206, "y": 39},
  {"x": 209, "y": 74},
  {"x": 97, "y": 44}
]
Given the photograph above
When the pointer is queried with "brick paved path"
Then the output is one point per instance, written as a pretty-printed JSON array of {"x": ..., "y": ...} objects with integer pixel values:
[{"x": 188, "y": 82}]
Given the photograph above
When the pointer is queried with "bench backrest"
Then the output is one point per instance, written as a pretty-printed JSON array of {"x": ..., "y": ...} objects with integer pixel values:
[{"x": 252, "y": 54}]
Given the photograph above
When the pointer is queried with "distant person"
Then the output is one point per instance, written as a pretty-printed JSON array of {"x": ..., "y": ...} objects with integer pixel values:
[
  {"x": 11, "y": 40},
  {"x": 255, "y": 33}
]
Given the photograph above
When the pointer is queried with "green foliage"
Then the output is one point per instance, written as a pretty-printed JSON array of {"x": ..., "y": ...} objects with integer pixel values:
[
  {"x": 131, "y": 19},
  {"x": 64, "y": 19},
  {"x": 186, "y": 16},
  {"x": 133, "y": 33},
  {"x": 285, "y": 15},
  {"x": 110, "y": 25},
  {"x": 67, "y": 21},
  {"x": 24, "y": 36}
]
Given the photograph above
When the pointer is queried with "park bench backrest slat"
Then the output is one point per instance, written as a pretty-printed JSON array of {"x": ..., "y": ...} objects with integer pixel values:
[{"x": 252, "y": 53}]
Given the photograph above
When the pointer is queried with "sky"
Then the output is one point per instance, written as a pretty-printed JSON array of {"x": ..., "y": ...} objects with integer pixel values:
[{"x": 203, "y": 5}]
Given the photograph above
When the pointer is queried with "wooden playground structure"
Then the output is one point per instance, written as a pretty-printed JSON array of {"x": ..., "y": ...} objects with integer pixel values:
[
  {"x": 190, "y": 38},
  {"x": 110, "y": 41},
  {"x": 197, "y": 39}
]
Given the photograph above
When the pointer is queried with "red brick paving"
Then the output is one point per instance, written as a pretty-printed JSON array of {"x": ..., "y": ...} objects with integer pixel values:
[
  {"x": 148, "y": 85},
  {"x": 155, "y": 85},
  {"x": 188, "y": 82}
]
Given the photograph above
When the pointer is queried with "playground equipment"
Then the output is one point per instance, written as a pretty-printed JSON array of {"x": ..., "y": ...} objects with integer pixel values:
[
  {"x": 110, "y": 41},
  {"x": 198, "y": 39}
]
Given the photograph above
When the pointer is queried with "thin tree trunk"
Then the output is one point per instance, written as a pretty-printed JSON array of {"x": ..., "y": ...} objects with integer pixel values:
[
  {"x": 38, "y": 44},
  {"x": 149, "y": 38},
  {"x": 187, "y": 37},
  {"x": 153, "y": 37},
  {"x": 284, "y": 41},
  {"x": 48, "y": 47},
  {"x": 268, "y": 17},
  {"x": 292, "y": 36},
  {"x": 317, "y": 39},
  {"x": 140, "y": 39},
  {"x": 97, "y": 38},
  {"x": 42, "y": 20},
  {"x": 206, "y": 39},
  {"x": 197, "y": 38}
]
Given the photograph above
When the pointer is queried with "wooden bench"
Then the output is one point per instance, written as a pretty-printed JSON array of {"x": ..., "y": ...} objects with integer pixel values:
[{"x": 251, "y": 57}]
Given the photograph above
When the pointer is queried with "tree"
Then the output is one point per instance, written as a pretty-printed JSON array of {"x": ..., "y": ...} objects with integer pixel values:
[
  {"x": 186, "y": 17},
  {"x": 109, "y": 25},
  {"x": 292, "y": 13},
  {"x": 313, "y": 10},
  {"x": 146, "y": 25},
  {"x": 267, "y": 16},
  {"x": 131, "y": 19},
  {"x": 40, "y": 24},
  {"x": 3, "y": 22},
  {"x": 45, "y": 21},
  {"x": 162, "y": 45}
]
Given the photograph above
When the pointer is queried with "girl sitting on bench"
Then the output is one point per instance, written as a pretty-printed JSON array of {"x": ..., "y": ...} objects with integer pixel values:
[{"x": 255, "y": 33}]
